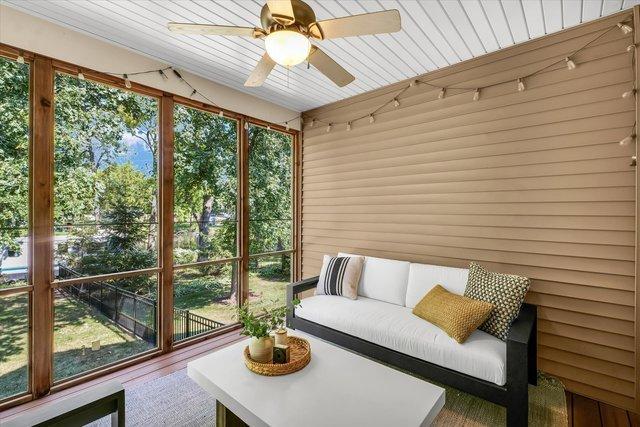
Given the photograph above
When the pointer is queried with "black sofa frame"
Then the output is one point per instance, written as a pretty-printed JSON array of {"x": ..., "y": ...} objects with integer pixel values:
[{"x": 521, "y": 358}]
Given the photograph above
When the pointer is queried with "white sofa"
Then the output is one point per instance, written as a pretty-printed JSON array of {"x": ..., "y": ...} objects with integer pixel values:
[{"x": 380, "y": 321}]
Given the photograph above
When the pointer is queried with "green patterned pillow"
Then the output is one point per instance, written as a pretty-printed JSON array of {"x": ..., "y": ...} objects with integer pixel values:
[{"x": 505, "y": 291}]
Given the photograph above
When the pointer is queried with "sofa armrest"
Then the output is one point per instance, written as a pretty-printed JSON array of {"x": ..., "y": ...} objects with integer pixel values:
[
  {"x": 293, "y": 289},
  {"x": 522, "y": 346},
  {"x": 522, "y": 327}
]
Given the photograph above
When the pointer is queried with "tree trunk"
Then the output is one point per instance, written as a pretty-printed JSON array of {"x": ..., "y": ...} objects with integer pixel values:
[{"x": 203, "y": 227}]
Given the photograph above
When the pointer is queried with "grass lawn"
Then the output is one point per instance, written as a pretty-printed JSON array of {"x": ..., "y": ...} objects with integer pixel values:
[
  {"x": 14, "y": 312},
  {"x": 207, "y": 295},
  {"x": 76, "y": 326}
]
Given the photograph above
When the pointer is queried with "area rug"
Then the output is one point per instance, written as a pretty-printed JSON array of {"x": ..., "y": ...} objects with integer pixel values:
[{"x": 175, "y": 400}]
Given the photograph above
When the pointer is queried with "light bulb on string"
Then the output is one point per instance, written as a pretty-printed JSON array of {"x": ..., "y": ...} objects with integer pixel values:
[
  {"x": 220, "y": 113},
  {"x": 329, "y": 128},
  {"x": 628, "y": 94},
  {"x": 20, "y": 58},
  {"x": 127, "y": 82},
  {"x": 521, "y": 86},
  {"x": 371, "y": 118},
  {"x": 442, "y": 93},
  {"x": 570, "y": 64},
  {"x": 631, "y": 48},
  {"x": 476, "y": 95},
  {"x": 80, "y": 75},
  {"x": 286, "y": 125},
  {"x": 633, "y": 161},
  {"x": 627, "y": 139},
  {"x": 625, "y": 28},
  {"x": 313, "y": 122},
  {"x": 246, "y": 125},
  {"x": 163, "y": 75},
  {"x": 396, "y": 103},
  {"x": 348, "y": 125},
  {"x": 193, "y": 92}
]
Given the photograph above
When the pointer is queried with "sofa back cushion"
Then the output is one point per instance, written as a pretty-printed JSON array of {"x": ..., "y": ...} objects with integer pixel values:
[
  {"x": 383, "y": 279},
  {"x": 423, "y": 277}
]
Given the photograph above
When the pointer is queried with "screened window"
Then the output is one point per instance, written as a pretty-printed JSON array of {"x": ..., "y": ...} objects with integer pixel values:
[
  {"x": 14, "y": 227},
  {"x": 205, "y": 221},
  {"x": 106, "y": 178},
  {"x": 270, "y": 216}
]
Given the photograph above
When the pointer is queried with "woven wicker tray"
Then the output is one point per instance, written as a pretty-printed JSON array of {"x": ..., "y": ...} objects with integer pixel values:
[{"x": 300, "y": 355}]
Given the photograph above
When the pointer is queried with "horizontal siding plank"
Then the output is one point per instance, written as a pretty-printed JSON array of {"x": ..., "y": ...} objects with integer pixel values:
[
  {"x": 526, "y": 259},
  {"x": 626, "y": 253},
  {"x": 586, "y": 334},
  {"x": 616, "y": 238},
  {"x": 585, "y": 362},
  {"x": 625, "y": 388},
  {"x": 603, "y": 323},
  {"x": 596, "y": 351}
]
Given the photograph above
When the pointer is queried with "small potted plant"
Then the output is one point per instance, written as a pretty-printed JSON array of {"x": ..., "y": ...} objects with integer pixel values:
[
  {"x": 277, "y": 320},
  {"x": 258, "y": 328}
]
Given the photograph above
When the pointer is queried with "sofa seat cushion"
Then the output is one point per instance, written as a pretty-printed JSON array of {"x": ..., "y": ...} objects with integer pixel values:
[{"x": 392, "y": 326}]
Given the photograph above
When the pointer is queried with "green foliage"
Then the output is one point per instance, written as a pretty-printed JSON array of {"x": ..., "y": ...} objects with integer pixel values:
[
  {"x": 14, "y": 153},
  {"x": 270, "y": 190}
]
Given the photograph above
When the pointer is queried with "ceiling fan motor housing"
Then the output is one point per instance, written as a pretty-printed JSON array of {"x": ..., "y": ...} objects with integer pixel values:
[{"x": 303, "y": 15}]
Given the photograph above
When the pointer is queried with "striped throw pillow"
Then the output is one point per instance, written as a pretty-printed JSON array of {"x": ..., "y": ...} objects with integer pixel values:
[{"x": 340, "y": 276}]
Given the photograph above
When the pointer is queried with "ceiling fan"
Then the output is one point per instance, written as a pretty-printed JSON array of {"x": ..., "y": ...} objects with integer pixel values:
[{"x": 287, "y": 26}]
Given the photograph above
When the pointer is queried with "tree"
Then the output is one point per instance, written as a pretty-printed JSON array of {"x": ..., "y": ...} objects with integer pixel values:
[
  {"x": 270, "y": 192},
  {"x": 14, "y": 153},
  {"x": 205, "y": 176}
]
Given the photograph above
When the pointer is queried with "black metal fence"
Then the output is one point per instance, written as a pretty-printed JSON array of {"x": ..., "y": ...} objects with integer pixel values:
[
  {"x": 187, "y": 324},
  {"x": 134, "y": 313}
]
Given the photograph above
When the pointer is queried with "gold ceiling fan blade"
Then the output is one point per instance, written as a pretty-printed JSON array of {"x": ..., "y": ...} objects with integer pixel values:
[
  {"x": 213, "y": 30},
  {"x": 329, "y": 67},
  {"x": 386, "y": 21},
  {"x": 261, "y": 72},
  {"x": 281, "y": 11}
]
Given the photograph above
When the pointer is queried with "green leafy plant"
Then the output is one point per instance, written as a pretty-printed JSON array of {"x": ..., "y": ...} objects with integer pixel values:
[{"x": 259, "y": 326}]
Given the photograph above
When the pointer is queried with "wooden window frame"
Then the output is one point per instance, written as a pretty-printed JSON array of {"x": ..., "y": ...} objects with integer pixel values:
[{"x": 41, "y": 227}]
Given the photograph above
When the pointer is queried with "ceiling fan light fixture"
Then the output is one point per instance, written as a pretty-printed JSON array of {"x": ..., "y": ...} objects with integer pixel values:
[{"x": 287, "y": 48}]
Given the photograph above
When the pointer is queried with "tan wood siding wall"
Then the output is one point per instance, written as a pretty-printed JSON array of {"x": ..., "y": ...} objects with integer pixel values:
[{"x": 532, "y": 183}]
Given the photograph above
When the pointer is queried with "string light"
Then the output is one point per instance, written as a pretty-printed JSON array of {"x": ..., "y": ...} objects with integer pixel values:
[
  {"x": 80, "y": 75},
  {"x": 371, "y": 118},
  {"x": 631, "y": 48},
  {"x": 246, "y": 125},
  {"x": 633, "y": 161},
  {"x": 220, "y": 113},
  {"x": 193, "y": 92},
  {"x": 626, "y": 29},
  {"x": 268, "y": 127},
  {"x": 628, "y": 94},
  {"x": 476, "y": 95},
  {"x": 286, "y": 125},
  {"x": 163, "y": 75},
  {"x": 396, "y": 103},
  {"x": 442, "y": 93},
  {"x": 412, "y": 83},
  {"x": 348, "y": 126},
  {"x": 20, "y": 58},
  {"x": 127, "y": 82},
  {"x": 570, "y": 64},
  {"x": 627, "y": 139},
  {"x": 313, "y": 122},
  {"x": 329, "y": 128},
  {"x": 521, "y": 86}
]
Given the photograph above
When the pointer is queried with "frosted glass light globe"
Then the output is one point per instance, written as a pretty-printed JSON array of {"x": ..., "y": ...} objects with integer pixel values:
[{"x": 287, "y": 48}]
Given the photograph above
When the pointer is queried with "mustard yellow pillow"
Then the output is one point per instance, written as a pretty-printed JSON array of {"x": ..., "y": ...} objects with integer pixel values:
[{"x": 455, "y": 314}]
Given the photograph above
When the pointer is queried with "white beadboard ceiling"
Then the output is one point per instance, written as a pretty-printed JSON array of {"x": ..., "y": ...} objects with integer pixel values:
[{"x": 435, "y": 33}]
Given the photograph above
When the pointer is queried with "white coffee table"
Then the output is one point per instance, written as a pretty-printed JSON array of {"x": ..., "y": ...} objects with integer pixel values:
[{"x": 337, "y": 388}]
